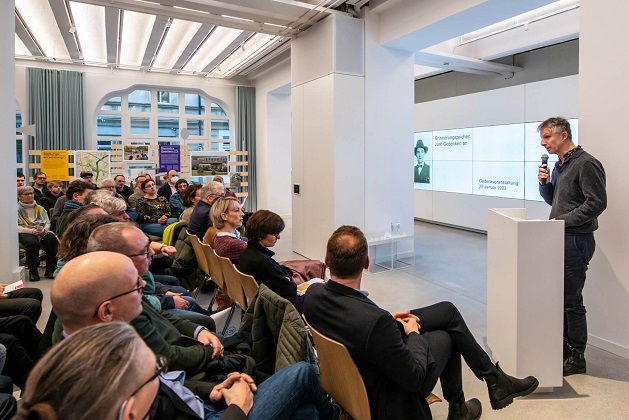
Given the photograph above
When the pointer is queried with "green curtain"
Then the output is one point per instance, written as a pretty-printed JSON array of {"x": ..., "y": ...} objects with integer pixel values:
[
  {"x": 56, "y": 105},
  {"x": 246, "y": 136}
]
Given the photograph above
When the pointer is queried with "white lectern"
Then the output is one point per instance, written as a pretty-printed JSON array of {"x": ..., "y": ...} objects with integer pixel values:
[{"x": 525, "y": 295}]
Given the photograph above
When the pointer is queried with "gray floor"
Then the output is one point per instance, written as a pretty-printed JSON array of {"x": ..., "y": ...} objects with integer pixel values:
[{"x": 451, "y": 265}]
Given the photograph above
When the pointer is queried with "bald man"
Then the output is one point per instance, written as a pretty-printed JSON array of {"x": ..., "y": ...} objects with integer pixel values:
[{"x": 104, "y": 286}]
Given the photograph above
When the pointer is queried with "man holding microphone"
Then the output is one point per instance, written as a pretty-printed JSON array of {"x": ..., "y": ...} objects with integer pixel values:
[{"x": 576, "y": 192}]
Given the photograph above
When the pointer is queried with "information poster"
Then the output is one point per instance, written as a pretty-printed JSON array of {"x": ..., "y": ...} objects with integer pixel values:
[
  {"x": 169, "y": 158},
  {"x": 94, "y": 161},
  {"x": 54, "y": 163}
]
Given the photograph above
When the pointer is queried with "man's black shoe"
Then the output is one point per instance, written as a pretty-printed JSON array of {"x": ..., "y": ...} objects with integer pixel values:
[
  {"x": 574, "y": 364},
  {"x": 50, "y": 273},
  {"x": 33, "y": 275},
  {"x": 469, "y": 410},
  {"x": 504, "y": 388}
]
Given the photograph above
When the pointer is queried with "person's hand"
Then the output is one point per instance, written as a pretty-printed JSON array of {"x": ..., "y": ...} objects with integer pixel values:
[
  {"x": 410, "y": 325},
  {"x": 38, "y": 232},
  {"x": 162, "y": 219},
  {"x": 180, "y": 303},
  {"x": 168, "y": 251},
  {"x": 543, "y": 173},
  {"x": 209, "y": 339},
  {"x": 217, "y": 393},
  {"x": 239, "y": 394}
]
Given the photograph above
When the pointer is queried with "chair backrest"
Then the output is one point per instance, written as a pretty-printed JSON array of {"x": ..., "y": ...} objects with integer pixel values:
[
  {"x": 198, "y": 253},
  {"x": 232, "y": 281},
  {"x": 215, "y": 268},
  {"x": 340, "y": 377},
  {"x": 249, "y": 285},
  {"x": 209, "y": 236}
]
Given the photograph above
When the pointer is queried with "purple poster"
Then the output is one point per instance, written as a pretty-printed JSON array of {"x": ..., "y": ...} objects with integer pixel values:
[{"x": 169, "y": 158}]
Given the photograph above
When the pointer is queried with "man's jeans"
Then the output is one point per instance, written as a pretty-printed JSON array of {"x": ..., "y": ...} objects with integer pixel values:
[
  {"x": 293, "y": 392},
  {"x": 578, "y": 251}
]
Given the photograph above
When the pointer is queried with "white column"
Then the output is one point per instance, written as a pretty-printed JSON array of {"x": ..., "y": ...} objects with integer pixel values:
[
  {"x": 9, "y": 268},
  {"x": 603, "y": 104}
]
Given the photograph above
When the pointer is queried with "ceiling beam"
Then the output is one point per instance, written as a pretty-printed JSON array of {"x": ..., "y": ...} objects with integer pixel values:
[
  {"x": 448, "y": 61},
  {"x": 61, "y": 16},
  {"x": 227, "y": 51},
  {"x": 160, "y": 25},
  {"x": 25, "y": 34},
  {"x": 193, "y": 46},
  {"x": 111, "y": 33}
]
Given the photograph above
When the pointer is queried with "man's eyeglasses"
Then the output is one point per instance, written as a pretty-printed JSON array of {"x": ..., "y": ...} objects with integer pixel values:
[
  {"x": 146, "y": 253},
  {"x": 139, "y": 286},
  {"x": 161, "y": 367}
]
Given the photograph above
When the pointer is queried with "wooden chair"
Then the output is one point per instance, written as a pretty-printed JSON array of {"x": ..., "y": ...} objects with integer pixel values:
[
  {"x": 340, "y": 377},
  {"x": 197, "y": 246},
  {"x": 249, "y": 285},
  {"x": 209, "y": 236},
  {"x": 232, "y": 281}
]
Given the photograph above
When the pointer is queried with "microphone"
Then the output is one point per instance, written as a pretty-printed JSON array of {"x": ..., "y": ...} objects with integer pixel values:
[{"x": 545, "y": 165}]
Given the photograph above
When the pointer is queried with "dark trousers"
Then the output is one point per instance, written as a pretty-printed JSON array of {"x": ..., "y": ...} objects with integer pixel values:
[
  {"x": 31, "y": 244},
  {"x": 578, "y": 251},
  {"x": 26, "y": 301},
  {"x": 21, "y": 338},
  {"x": 449, "y": 339}
]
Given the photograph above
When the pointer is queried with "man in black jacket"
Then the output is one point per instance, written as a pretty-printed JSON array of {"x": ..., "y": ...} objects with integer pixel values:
[
  {"x": 168, "y": 188},
  {"x": 401, "y": 355}
]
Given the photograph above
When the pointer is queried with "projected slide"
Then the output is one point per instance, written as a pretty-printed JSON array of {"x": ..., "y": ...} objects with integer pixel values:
[{"x": 497, "y": 161}]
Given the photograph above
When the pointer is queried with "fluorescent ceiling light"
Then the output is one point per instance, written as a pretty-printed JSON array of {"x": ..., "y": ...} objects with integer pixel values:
[
  {"x": 211, "y": 48},
  {"x": 90, "y": 29},
  {"x": 20, "y": 48},
  {"x": 43, "y": 25},
  {"x": 179, "y": 36},
  {"x": 136, "y": 32},
  {"x": 254, "y": 47}
]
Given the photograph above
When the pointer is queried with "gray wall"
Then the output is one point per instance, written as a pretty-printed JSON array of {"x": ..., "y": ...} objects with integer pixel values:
[{"x": 541, "y": 64}]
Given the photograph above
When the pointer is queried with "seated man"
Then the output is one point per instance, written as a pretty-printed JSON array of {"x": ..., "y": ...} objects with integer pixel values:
[
  {"x": 402, "y": 355},
  {"x": 200, "y": 218},
  {"x": 25, "y": 301},
  {"x": 77, "y": 190},
  {"x": 34, "y": 231},
  {"x": 104, "y": 286}
]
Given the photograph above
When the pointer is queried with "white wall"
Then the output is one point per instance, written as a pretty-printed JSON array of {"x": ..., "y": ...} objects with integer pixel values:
[
  {"x": 603, "y": 87},
  {"x": 515, "y": 104},
  {"x": 100, "y": 82}
]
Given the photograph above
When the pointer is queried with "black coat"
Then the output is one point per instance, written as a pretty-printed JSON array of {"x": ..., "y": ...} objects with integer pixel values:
[
  {"x": 165, "y": 191},
  {"x": 393, "y": 365},
  {"x": 257, "y": 261}
]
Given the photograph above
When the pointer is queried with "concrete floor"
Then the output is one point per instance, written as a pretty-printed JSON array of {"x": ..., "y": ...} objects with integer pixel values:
[{"x": 451, "y": 265}]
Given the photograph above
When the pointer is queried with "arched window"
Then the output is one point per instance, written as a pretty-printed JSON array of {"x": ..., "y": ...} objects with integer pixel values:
[{"x": 163, "y": 116}]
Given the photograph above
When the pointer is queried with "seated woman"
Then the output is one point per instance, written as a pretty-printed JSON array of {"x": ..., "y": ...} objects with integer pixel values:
[
  {"x": 34, "y": 230},
  {"x": 153, "y": 210},
  {"x": 189, "y": 198},
  {"x": 263, "y": 230},
  {"x": 175, "y": 200},
  {"x": 226, "y": 215}
]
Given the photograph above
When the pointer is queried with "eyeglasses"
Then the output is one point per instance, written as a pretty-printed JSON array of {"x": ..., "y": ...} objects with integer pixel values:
[
  {"x": 161, "y": 367},
  {"x": 146, "y": 253},
  {"x": 139, "y": 286}
]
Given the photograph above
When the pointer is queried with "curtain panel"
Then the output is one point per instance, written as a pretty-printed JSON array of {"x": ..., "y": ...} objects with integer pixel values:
[
  {"x": 56, "y": 105},
  {"x": 246, "y": 136}
]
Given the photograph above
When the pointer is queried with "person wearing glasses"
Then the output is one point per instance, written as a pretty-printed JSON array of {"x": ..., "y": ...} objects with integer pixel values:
[
  {"x": 34, "y": 231},
  {"x": 200, "y": 217},
  {"x": 107, "y": 372},
  {"x": 39, "y": 186}
]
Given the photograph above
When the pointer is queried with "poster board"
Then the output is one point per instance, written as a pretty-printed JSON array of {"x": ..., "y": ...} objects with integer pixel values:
[
  {"x": 95, "y": 161},
  {"x": 54, "y": 163}
]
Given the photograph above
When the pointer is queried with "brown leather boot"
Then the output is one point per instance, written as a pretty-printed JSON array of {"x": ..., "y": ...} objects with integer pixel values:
[{"x": 222, "y": 301}]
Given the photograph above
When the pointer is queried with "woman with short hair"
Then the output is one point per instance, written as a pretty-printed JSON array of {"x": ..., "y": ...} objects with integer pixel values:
[
  {"x": 175, "y": 200},
  {"x": 153, "y": 210}
]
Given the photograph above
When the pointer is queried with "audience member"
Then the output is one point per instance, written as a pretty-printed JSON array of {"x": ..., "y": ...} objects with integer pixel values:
[
  {"x": 88, "y": 177},
  {"x": 52, "y": 194},
  {"x": 402, "y": 355},
  {"x": 226, "y": 215},
  {"x": 122, "y": 188},
  {"x": 21, "y": 338},
  {"x": 228, "y": 192},
  {"x": 200, "y": 217},
  {"x": 39, "y": 186},
  {"x": 108, "y": 184},
  {"x": 137, "y": 193},
  {"x": 25, "y": 301},
  {"x": 61, "y": 202},
  {"x": 126, "y": 239},
  {"x": 153, "y": 210},
  {"x": 34, "y": 231},
  {"x": 168, "y": 188},
  {"x": 101, "y": 287},
  {"x": 21, "y": 179},
  {"x": 77, "y": 190},
  {"x": 114, "y": 206},
  {"x": 175, "y": 200},
  {"x": 189, "y": 198},
  {"x": 106, "y": 371}
]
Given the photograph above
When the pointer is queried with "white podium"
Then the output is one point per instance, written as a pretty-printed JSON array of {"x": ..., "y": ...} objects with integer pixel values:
[{"x": 525, "y": 295}]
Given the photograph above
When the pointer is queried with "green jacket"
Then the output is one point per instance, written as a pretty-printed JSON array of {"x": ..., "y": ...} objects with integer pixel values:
[{"x": 279, "y": 334}]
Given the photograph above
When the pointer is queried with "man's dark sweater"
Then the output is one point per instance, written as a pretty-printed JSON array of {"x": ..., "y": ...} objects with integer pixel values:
[
  {"x": 200, "y": 219},
  {"x": 577, "y": 192}
]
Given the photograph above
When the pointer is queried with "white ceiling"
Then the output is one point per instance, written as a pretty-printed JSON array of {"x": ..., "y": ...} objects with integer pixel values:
[{"x": 228, "y": 38}]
